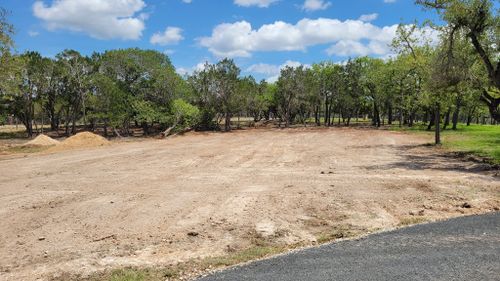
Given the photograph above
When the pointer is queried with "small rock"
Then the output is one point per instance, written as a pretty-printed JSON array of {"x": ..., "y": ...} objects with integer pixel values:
[
  {"x": 193, "y": 234},
  {"x": 41, "y": 238},
  {"x": 322, "y": 172},
  {"x": 466, "y": 205},
  {"x": 45, "y": 254}
]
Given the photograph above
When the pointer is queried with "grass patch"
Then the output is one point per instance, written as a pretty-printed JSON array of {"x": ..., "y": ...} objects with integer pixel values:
[
  {"x": 128, "y": 275},
  {"x": 193, "y": 266},
  {"x": 253, "y": 253},
  {"x": 338, "y": 232},
  {"x": 406, "y": 221},
  {"x": 136, "y": 274},
  {"x": 479, "y": 140}
]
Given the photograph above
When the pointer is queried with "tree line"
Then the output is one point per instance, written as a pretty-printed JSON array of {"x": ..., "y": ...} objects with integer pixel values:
[{"x": 456, "y": 79}]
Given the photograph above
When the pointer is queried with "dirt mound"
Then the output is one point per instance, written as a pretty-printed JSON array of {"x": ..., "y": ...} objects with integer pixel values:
[
  {"x": 85, "y": 139},
  {"x": 81, "y": 140},
  {"x": 42, "y": 140}
]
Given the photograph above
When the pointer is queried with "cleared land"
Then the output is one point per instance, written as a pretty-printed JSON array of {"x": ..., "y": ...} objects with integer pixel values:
[{"x": 158, "y": 203}]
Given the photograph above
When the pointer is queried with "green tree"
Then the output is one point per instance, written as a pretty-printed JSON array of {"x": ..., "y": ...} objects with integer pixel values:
[
  {"x": 290, "y": 85},
  {"x": 479, "y": 22}
]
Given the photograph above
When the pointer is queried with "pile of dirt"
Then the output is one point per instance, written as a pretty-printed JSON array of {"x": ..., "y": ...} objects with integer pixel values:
[
  {"x": 85, "y": 139},
  {"x": 81, "y": 140},
  {"x": 42, "y": 140}
]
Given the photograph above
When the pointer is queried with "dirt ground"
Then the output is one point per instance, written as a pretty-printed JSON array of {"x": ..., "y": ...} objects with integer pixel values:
[{"x": 160, "y": 202}]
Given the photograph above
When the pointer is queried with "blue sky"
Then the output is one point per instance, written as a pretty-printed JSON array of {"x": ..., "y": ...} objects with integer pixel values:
[{"x": 261, "y": 35}]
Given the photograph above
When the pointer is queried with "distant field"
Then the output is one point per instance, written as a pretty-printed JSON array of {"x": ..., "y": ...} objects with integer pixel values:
[{"x": 480, "y": 140}]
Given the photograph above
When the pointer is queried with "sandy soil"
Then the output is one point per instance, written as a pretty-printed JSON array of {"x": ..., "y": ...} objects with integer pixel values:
[{"x": 133, "y": 204}]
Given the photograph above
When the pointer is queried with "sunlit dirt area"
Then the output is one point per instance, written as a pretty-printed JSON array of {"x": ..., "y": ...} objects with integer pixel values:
[{"x": 153, "y": 203}]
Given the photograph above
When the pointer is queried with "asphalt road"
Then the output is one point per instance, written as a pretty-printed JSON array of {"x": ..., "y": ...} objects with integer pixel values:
[{"x": 459, "y": 249}]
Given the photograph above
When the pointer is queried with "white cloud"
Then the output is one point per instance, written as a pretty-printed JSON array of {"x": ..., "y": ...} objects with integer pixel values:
[
  {"x": 389, "y": 1},
  {"x": 347, "y": 48},
  {"x": 315, "y": 5},
  {"x": 32, "y": 33},
  {"x": 258, "y": 3},
  {"x": 368, "y": 17},
  {"x": 189, "y": 70},
  {"x": 171, "y": 35},
  {"x": 187, "y": 1},
  {"x": 273, "y": 71},
  {"x": 264, "y": 68},
  {"x": 102, "y": 19},
  {"x": 240, "y": 40},
  {"x": 348, "y": 38}
]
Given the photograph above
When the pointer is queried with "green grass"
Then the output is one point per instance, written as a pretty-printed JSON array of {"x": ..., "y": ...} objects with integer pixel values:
[
  {"x": 479, "y": 140},
  {"x": 128, "y": 275},
  {"x": 137, "y": 274}
]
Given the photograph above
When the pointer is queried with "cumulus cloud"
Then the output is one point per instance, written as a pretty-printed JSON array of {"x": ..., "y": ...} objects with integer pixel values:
[
  {"x": 368, "y": 17},
  {"x": 315, "y": 5},
  {"x": 348, "y": 38},
  {"x": 239, "y": 39},
  {"x": 101, "y": 19},
  {"x": 171, "y": 35},
  {"x": 258, "y": 3},
  {"x": 273, "y": 71},
  {"x": 347, "y": 48}
]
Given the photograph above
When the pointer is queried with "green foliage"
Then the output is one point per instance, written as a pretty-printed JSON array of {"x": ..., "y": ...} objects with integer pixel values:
[
  {"x": 110, "y": 104},
  {"x": 216, "y": 92},
  {"x": 184, "y": 114},
  {"x": 290, "y": 93}
]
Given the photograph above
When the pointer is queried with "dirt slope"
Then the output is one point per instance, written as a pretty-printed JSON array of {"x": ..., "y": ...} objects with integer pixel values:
[{"x": 77, "y": 212}]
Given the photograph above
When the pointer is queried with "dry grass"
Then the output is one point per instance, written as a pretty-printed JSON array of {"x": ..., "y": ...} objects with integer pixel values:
[{"x": 411, "y": 220}]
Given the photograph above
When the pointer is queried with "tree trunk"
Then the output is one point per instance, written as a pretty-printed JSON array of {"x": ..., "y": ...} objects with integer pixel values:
[
  {"x": 437, "y": 121},
  {"x": 116, "y": 132},
  {"x": 447, "y": 119},
  {"x": 492, "y": 103},
  {"x": 145, "y": 128},
  {"x": 376, "y": 115},
  {"x": 330, "y": 111},
  {"x": 227, "y": 123},
  {"x": 389, "y": 115},
  {"x": 73, "y": 126},
  {"x": 316, "y": 115},
  {"x": 106, "y": 128},
  {"x": 455, "y": 115},
  {"x": 327, "y": 114},
  {"x": 28, "y": 123},
  {"x": 431, "y": 121}
]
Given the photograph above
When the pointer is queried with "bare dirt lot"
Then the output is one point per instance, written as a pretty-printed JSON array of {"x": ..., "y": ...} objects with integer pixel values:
[{"x": 160, "y": 202}]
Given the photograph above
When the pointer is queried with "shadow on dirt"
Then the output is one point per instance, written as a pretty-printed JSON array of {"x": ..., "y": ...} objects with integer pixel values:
[{"x": 427, "y": 157}]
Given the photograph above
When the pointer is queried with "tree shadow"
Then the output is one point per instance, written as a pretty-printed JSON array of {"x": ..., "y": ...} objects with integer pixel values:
[{"x": 427, "y": 157}]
